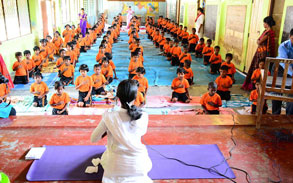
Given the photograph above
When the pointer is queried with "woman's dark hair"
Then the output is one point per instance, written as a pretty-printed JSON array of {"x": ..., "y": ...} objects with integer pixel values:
[
  {"x": 82, "y": 9},
  {"x": 83, "y": 67},
  {"x": 129, "y": 6},
  {"x": 126, "y": 92},
  {"x": 200, "y": 9},
  {"x": 270, "y": 21},
  {"x": 58, "y": 84}
]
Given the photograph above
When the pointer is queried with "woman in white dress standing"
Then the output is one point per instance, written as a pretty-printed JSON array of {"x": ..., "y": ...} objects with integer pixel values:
[
  {"x": 126, "y": 158},
  {"x": 199, "y": 21},
  {"x": 130, "y": 14}
]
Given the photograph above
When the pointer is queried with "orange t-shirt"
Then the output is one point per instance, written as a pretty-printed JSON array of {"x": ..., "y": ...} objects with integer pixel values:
[
  {"x": 135, "y": 46},
  {"x": 210, "y": 51},
  {"x": 253, "y": 96},
  {"x": 139, "y": 99},
  {"x": 176, "y": 51},
  {"x": 223, "y": 81},
  {"x": 22, "y": 71},
  {"x": 69, "y": 72},
  {"x": 44, "y": 51},
  {"x": 256, "y": 74},
  {"x": 57, "y": 42},
  {"x": 85, "y": 87},
  {"x": 99, "y": 80},
  {"x": 55, "y": 99},
  {"x": 107, "y": 71},
  {"x": 179, "y": 32},
  {"x": 42, "y": 88},
  {"x": 99, "y": 57},
  {"x": 216, "y": 59},
  {"x": 199, "y": 47},
  {"x": 131, "y": 46},
  {"x": 4, "y": 89},
  {"x": 185, "y": 35},
  {"x": 73, "y": 56},
  {"x": 111, "y": 63},
  {"x": 37, "y": 59},
  {"x": 193, "y": 38},
  {"x": 232, "y": 69},
  {"x": 143, "y": 83},
  {"x": 216, "y": 99},
  {"x": 188, "y": 73},
  {"x": 134, "y": 65},
  {"x": 58, "y": 62},
  {"x": 30, "y": 64},
  {"x": 67, "y": 35},
  {"x": 176, "y": 82},
  {"x": 184, "y": 56},
  {"x": 166, "y": 48}
]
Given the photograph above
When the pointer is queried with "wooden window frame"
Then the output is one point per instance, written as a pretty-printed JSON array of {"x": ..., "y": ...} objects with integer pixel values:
[{"x": 17, "y": 9}]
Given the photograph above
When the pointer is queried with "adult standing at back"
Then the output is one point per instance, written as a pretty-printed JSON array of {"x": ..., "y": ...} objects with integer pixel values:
[
  {"x": 130, "y": 13},
  {"x": 83, "y": 21},
  {"x": 266, "y": 48},
  {"x": 199, "y": 21}
]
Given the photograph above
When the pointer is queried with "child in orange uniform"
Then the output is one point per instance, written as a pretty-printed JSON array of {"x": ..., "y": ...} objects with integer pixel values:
[
  {"x": 232, "y": 69},
  {"x": 224, "y": 83},
  {"x": 83, "y": 84},
  {"x": 180, "y": 88},
  {"x": 184, "y": 56},
  {"x": 166, "y": 47},
  {"x": 44, "y": 52},
  {"x": 20, "y": 68},
  {"x": 109, "y": 57},
  {"x": 59, "y": 100},
  {"x": 60, "y": 60},
  {"x": 40, "y": 90},
  {"x": 257, "y": 72},
  {"x": 58, "y": 42},
  {"x": 67, "y": 34},
  {"x": 207, "y": 52},
  {"x": 176, "y": 52},
  {"x": 143, "y": 82},
  {"x": 215, "y": 61},
  {"x": 107, "y": 70},
  {"x": 211, "y": 101},
  {"x": 29, "y": 62},
  {"x": 188, "y": 72},
  {"x": 139, "y": 100},
  {"x": 185, "y": 36},
  {"x": 67, "y": 72},
  {"x": 99, "y": 81},
  {"x": 100, "y": 54},
  {"x": 254, "y": 96},
  {"x": 4, "y": 89},
  {"x": 51, "y": 48},
  {"x": 134, "y": 65},
  {"x": 38, "y": 59},
  {"x": 199, "y": 48},
  {"x": 192, "y": 40}
]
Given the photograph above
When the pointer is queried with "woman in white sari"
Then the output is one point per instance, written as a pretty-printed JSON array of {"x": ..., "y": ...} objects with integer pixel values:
[{"x": 126, "y": 158}]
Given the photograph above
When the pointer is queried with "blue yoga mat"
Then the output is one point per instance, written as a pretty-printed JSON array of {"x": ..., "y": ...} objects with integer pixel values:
[{"x": 70, "y": 162}]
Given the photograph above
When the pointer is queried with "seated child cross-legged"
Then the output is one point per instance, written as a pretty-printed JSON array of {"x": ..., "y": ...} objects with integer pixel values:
[
  {"x": 67, "y": 71},
  {"x": 224, "y": 82},
  {"x": 231, "y": 66},
  {"x": 107, "y": 70},
  {"x": 176, "y": 52},
  {"x": 254, "y": 96},
  {"x": 211, "y": 101},
  {"x": 143, "y": 84},
  {"x": 99, "y": 81},
  {"x": 188, "y": 72},
  {"x": 180, "y": 87},
  {"x": 140, "y": 99},
  {"x": 84, "y": 84},
  {"x": 133, "y": 65},
  {"x": 215, "y": 60},
  {"x": 59, "y": 100},
  {"x": 207, "y": 52},
  {"x": 199, "y": 48},
  {"x": 40, "y": 91}
]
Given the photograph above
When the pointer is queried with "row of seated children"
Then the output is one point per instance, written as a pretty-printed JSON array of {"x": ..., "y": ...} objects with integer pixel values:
[{"x": 45, "y": 53}]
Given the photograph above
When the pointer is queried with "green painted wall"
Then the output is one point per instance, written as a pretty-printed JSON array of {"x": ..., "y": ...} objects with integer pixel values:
[
  {"x": 287, "y": 3},
  {"x": 9, "y": 47},
  {"x": 221, "y": 24}
]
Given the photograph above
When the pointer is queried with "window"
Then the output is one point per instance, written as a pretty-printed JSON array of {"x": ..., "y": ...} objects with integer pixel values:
[{"x": 14, "y": 19}]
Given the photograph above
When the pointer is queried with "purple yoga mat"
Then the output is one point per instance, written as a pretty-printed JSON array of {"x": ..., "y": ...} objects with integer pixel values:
[{"x": 70, "y": 162}]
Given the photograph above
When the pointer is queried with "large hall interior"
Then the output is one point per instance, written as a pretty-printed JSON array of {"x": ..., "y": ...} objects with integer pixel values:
[{"x": 164, "y": 91}]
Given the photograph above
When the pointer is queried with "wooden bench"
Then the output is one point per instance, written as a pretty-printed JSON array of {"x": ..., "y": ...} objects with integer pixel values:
[{"x": 274, "y": 87}]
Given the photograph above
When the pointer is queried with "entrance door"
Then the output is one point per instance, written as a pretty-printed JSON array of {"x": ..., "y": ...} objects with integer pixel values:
[{"x": 254, "y": 31}]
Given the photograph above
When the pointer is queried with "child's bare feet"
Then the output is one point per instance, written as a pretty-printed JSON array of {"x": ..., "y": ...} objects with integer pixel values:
[
  {"x": 187, "y": 101},
  {"x": 174, "y": 100}
]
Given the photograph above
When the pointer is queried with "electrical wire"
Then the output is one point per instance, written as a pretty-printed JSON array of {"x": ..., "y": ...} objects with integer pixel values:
[{"x": 212, "y": 169}]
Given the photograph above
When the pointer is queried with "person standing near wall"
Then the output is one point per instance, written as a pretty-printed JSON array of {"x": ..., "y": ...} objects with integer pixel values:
[
  {"x": 130, "y": 13},
  {"x": 266, "y": 48},
  {"x": 83, "y": 21},
  {"x": 199, "y": 21}
]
